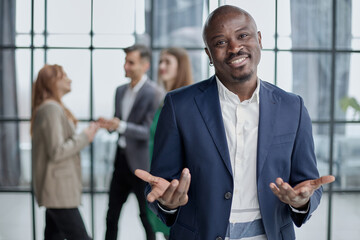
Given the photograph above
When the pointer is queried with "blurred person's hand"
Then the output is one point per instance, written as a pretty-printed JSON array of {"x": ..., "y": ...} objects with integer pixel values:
[
  {"x": 91, "y": 130},
  {"x": 109, "y": 124}
]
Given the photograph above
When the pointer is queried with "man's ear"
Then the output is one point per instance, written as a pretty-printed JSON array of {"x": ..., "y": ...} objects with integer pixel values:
[
  {"x": 208, "y": 54},
  {"x": 146, "y": 65},
  {"x": 259, "y": 39}
]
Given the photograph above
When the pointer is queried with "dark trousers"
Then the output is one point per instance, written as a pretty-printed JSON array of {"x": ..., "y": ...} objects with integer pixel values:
[
  {"x": 64, "y": 224},
  {"x": 122, "y": 184}
]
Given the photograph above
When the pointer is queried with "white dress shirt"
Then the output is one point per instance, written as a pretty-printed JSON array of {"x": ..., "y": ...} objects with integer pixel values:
[
  {"x": 126, "y": 107},
  {"x": 241, "y": 119}
]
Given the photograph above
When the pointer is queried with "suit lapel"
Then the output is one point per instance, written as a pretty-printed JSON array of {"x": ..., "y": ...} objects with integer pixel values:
[
  {"x": 119, "y": 98},
  {"x": 209, "y": 106},
  {"x": 269, "y": 105}
]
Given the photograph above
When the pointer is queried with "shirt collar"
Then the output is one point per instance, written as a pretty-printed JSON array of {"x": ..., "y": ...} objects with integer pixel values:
[
  {"x": 137, "y": 87},
  {"x": 226, "y": 94}
]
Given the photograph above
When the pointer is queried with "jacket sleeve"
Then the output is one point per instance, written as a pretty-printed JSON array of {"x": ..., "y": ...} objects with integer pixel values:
[
  {"x": 304, "y": 163},
  {"x": 167, "y": 161},
  {"x": 59, "y": 147},
  {"x": 142, "y": 130}
]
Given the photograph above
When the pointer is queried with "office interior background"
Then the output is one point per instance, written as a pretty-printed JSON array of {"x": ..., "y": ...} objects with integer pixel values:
[{"x": 311, "y": 48}]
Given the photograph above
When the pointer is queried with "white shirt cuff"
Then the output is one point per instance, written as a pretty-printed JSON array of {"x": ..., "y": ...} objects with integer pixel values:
[
  {"x": 300, "y": 211},
  {"x": 167, "y": 211},
  {"x": 122, "y": 127}
]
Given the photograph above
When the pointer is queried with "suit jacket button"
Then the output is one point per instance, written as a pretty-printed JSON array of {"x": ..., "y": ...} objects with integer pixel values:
[
  {"x": 219, "y": 238},
  {"x": 228, "y": 195}
]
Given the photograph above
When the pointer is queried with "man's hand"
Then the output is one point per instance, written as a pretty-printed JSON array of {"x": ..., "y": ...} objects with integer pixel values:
[
  {"x": 109, "y": 124},
  {"x": 169, "y": 194},
  {"x": 298, "y": 197}
]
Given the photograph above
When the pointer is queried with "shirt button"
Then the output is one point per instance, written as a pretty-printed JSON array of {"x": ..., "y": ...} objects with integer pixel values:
[
  {"x": 228, "y": 195},
  {"x": 219, "y": 238}
]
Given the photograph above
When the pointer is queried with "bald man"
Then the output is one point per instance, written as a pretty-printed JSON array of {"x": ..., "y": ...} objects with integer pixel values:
[{"x": 233, "y": 155}]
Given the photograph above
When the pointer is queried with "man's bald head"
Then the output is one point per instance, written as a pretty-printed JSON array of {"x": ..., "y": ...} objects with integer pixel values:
[{"x": 223, "y": 11}]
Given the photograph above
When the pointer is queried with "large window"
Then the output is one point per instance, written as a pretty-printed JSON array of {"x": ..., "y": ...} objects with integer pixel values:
[{"x": 311, "y": 48}]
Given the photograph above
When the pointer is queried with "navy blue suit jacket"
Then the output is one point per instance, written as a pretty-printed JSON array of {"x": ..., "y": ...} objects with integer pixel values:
[{"x": 190, "y": 133}]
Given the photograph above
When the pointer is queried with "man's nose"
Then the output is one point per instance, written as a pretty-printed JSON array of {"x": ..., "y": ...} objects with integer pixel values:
[{"x": 234, "y": 46}]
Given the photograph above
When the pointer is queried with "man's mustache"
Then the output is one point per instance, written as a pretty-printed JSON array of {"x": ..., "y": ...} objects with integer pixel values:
[{"x": 233, "y": 55}]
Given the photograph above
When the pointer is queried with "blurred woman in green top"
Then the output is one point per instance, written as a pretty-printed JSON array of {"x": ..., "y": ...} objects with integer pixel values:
[{"x": 174, "y": 71}]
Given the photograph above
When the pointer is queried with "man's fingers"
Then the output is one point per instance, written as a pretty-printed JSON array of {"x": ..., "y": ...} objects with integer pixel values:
[
  {"x": 145, "y": 176},
  {"x": 323, "y": 180}
]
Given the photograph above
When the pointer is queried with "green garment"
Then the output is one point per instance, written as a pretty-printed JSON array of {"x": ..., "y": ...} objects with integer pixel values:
[{"x": 156, "y": 224}]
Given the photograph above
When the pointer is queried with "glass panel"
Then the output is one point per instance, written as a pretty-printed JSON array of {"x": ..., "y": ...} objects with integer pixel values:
[
  {"x": 39, "y": 221},
  {"x": 105, "y": 145},
  {"x": 14, "y": 161},
  {"x": 39, "y": 61},
  {"x": 304, "y": 33},
  {"x": 266, "y": 66},
  {"x": 23, "y": 16},
  {"x": 129, "y": 223},
  {"x": 355, "y": 23},
  {"x": 39, "y": 15},
  {"x": 345, "y": 217},
  {"x": 85, "y": 212},
  {"x": 63, "y": 16},
  {"x": 309, "y": 75},
  {"x": 316, "y": 227},
  {"x": 76, "y": 64},
  {"x": 108, "y": 72},
  {"x": 347, "y": 24},
  {"x": 85, "y": 154},
  {"x": 321, "y": 136},
  {"x": 23, "y": 83},
  {"x": 284, "y": 24},
  {"x": 114, "y": 16},
  {"x": 178, "y": 23},
  {"x": 347, "y": 100},
  {"x": 263, "y": 13},
  {"x": 347, "y": 154},
  {"x": 25, "y": 155},
  {"x": 39, "y": 40},
  {"x": 72, "y": 40},
  {"x": 23, "y": 40},
  {"x": 15, "y": 221},
  {"x": 113, "y": 40}
]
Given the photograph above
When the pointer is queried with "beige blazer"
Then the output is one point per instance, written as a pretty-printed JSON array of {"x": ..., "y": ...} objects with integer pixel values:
[{"x": 56, "y": 165}]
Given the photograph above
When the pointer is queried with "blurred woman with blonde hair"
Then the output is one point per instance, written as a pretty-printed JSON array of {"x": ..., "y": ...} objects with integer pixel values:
[
  {"x": 174, "y": 71},
  {"x": 56, "y": 164}
]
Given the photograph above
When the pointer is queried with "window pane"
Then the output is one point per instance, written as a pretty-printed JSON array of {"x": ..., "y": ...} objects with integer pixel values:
[
  {"x": 347, "y": 154},
  {"x": 23, "y": 83},
  {"x": 178, "y": 23},
  {"x": 309, "y": 75},
  {"x": 105, "y": 145},
  {"x": 114, "y": 16},
  {"x": 71, "y": 40},
  {"x": 345, "y": 217},
  {"x": 85, "y": 156},
  {"x": 76, "y": 64},
  {"x": 15, "y": 221},
  {"x": 321, "y": 136},
  {"x": 316, "y": 227},
  {"x": 347, "y": 100},
  {"x": 113, "y": 40},
  {"x": 15, "y": 161},
  {"x": 39, "y": 15},
  {"x": 347, "y": 24},
  {"x": 311, "y": 24},
  {"x": 63, "y": 16},
  {"x": 284, "y": 24},
  {"x": 23, "y": 16},
  {"x": 263, "y": 13},
  {"x": 108, "y": 72},
  {"x": 266, "y": 66}
]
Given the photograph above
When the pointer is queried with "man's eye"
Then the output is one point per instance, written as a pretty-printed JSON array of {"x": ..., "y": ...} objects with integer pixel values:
[
  {"x": 243, "y": 35},
  {"x": 219, "y": 43}
]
